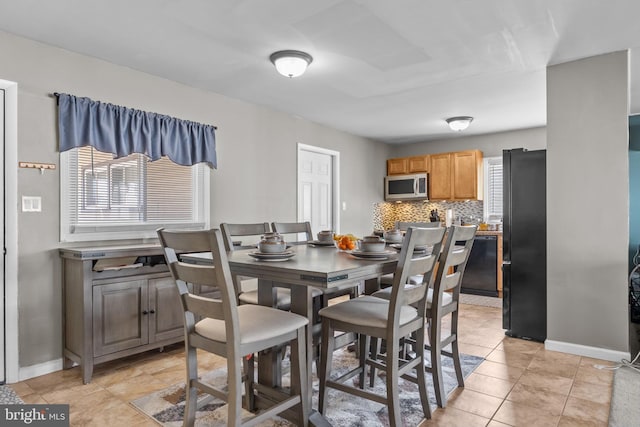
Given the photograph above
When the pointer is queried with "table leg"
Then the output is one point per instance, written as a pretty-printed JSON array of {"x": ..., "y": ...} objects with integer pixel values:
[
  {"x": 371, "y": 285},
  {"x": 302, "y": 304},
  {"x": 270, "y": 362}
]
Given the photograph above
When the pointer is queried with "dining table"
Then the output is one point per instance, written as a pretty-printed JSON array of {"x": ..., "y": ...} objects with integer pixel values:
[{"x": 311, "y": 267}]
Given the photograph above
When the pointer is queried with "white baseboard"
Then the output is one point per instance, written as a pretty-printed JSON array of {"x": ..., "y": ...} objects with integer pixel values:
[
  {"x": 40, "y": 369},
  {"x": 583, "y": 350}
]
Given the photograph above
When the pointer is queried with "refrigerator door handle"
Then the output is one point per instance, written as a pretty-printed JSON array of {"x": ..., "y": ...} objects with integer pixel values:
[{"x": 506, "y": 296}]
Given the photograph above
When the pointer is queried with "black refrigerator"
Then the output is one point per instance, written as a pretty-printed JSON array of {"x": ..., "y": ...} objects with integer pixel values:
[{"x": 524, "y": 270}]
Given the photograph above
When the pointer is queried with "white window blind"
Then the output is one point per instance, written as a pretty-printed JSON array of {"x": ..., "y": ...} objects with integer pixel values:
[
  {"x": 493, "y": 189},
  {"x": 105, "y": 198}
]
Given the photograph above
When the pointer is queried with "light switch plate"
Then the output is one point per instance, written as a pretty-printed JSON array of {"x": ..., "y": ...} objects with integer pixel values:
[{"x": 31, "y": 204}]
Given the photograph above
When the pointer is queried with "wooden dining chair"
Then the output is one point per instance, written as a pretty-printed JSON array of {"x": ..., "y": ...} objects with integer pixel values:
[
  {"x": 247, "y": 287},
  {"x": 236, "y": 332},
  {"x": 442, "y": 300},
  {"x": 389, "y": 319}
]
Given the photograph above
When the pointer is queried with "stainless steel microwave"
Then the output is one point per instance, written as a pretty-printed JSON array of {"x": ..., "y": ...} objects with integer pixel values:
[{"x": 405, "y": 187}]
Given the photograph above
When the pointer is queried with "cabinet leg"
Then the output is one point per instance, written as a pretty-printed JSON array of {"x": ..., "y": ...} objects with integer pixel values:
[
  {"x": 67, "y": 363},
  {"x": 87, "y": 372}
]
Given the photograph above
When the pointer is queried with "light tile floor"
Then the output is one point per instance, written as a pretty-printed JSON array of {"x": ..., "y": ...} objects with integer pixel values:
[{"x": 519, "y": 383}]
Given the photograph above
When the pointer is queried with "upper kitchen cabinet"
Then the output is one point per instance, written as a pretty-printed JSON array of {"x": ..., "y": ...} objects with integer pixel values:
[
  {"x": 405, "y": 165},
  {"x": 440, "y": 182},
  {"x": 456, "y": 176}
]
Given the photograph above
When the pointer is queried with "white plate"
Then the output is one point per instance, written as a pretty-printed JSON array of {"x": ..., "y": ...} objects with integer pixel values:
[
  {"x": 419, "y": 249},
  {"x": 272, "y": 256},
  {"x": 320, "y": 243},
  {"x": 372, "y": 255},
  {"x": 274, "y": 259}
]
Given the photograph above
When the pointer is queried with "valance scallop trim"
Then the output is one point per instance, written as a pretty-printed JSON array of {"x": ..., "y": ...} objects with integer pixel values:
[{"x": 124, "y": 131}]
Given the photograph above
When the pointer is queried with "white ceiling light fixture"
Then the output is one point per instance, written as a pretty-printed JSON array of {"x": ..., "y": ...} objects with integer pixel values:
[
  {"x": 459, "y": 123},
  {"x": 291, "y": 63}
]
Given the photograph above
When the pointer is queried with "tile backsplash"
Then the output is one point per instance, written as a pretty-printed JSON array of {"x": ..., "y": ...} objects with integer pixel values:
[{"x": 385, "y": 214}]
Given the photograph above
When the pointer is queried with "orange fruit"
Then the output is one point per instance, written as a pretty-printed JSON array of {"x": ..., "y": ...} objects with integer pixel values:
[{"x": 351, "y": 244}]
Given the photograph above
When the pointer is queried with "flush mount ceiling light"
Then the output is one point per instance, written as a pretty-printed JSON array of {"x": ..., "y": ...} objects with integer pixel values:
[
  {"x": 291, "y": 63},
  {"x": 459, "y": 123}
]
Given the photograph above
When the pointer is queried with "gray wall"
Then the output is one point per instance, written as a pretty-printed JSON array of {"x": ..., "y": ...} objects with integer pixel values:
[
  {"x": 587, "y": 201},
  {"x": 251, "y": 139},
  {"x": 491, "y": 145}
]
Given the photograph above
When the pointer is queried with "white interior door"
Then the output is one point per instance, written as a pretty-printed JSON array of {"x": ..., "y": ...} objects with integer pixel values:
[{"x": 317, "y": 187}]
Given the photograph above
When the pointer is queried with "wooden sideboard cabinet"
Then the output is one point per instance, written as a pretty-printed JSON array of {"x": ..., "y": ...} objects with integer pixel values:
[{"x": 115, "y": 313}]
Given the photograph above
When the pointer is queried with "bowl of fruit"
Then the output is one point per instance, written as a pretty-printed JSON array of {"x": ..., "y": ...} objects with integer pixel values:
[{"x": 345, "y": 242}]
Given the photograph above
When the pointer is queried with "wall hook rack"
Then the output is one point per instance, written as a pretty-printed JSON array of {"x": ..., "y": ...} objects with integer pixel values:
[{"x": 41, "y": 166}]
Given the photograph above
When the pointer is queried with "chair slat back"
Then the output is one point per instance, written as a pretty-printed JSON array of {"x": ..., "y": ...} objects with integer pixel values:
[
  {"x": 404, "y": 225},
  {"x": 421, "y": 263},
  {"x": 229, "y": 231},
  {"x": 454, "y": 257},
  {"x": 410, "y": 264},
  {"x": 293, "y": 227},
  {"x": 204, "y": 307},
  {"x": 186, "y": 275}
]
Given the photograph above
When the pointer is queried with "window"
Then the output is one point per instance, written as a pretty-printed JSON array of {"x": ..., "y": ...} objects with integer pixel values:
[
  {"x": 103, "y": 198},
  {"x": 493, "y": 189}
]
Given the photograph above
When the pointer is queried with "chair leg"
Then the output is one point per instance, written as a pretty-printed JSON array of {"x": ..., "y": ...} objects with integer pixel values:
[
  {"x": 393, "y": 397},
  {"x": 436, "y": 364},
  {"x": 299, "y": 376},
  {"x": 421, "y": 374},
  {"x": 249, "y": 370},
  {"x": 326, "y": 360},
  {"x": 191, "y": 402},
  {"x": 375, "y": 351},
  {"x": 234, "y": 398},
  {"x": 364, "y": 341},
  {"x": 455, "y": 350}
]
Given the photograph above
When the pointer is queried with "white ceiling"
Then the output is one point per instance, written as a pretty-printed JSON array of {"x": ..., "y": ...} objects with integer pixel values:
[{"x": 388, "y": 70}]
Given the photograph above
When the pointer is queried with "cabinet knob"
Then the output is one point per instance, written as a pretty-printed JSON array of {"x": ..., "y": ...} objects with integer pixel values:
[
  {"x": 152, "y": 311},
  {"x": 145, "y": 312}
]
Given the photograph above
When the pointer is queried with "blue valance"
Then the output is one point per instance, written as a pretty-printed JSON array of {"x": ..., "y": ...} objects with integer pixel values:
[{"x": 123, "y": 131}]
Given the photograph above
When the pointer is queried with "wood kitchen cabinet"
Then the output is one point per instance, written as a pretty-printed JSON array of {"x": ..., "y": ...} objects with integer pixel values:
[
  {"x": 456, "y": 176},
  {"x": 408, "y": 165},
  {"x": 440, "y": 182},
  {"x": 115, "y": 313}
]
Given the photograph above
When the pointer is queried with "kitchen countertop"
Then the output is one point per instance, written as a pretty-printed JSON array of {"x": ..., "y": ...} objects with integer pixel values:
[{"x": 488, "y": 233}]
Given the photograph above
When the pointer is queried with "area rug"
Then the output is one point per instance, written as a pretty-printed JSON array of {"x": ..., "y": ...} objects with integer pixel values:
[
  {"x": 8, "y": 396},
  {"x": 481, "y": 300},
  {"x": 625, "y": 410},
  {"x": 167, "y": 406}
]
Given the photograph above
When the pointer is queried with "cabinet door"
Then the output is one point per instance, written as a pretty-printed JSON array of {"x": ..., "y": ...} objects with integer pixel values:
[
  {"x": 166, "y": 318},
  {"x": 397, "y": 166},
  {"x": 440, "y": 183},
  {"x": 418, "y": 164},
  {"x": 465, "y": 175},
  {"x": 118, "y": 319}
]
